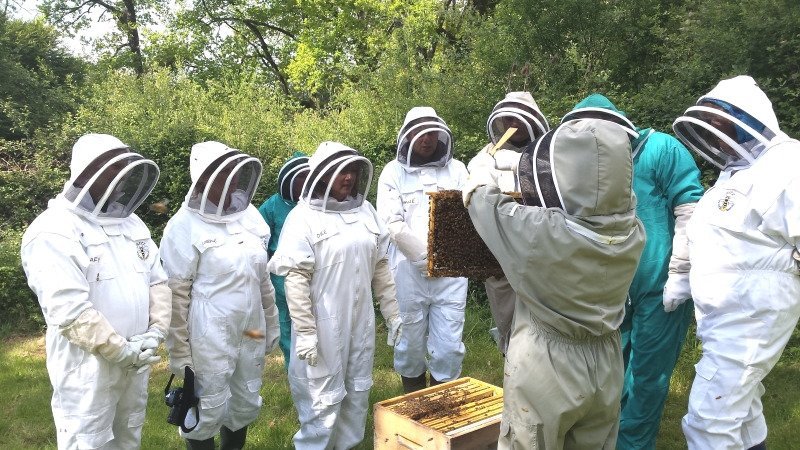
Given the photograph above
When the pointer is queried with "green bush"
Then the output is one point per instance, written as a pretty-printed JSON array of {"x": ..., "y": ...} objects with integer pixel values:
[{"x": 20, "y": 309}]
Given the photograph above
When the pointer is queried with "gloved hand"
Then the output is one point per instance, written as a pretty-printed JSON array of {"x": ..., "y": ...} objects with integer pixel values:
[
  {"x": 395, "y": 325},
  {"x": 273, "y": 328},
  {"x": 150, "y": 339},
  {"x": 676, "y": 291},
  {"x": 305, "y": 347},
  {"x": 176, "y": 365},
  {"x": 507, "y": 160},
  {"x": 421, "y": 264},
  {"x": 482, "y": 172},
  {"x": 147, "y": 358},
  {"x": 128, "y": 355}
]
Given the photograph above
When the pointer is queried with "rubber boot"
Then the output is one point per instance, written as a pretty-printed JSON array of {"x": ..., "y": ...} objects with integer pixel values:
[
  {"x": 761, "y": 446},
  {"x": 232, "y": 440},
  {"x": 413, "y": 384},
  {"x": 435, "y": 382},
  {"x": 194, "y": 444}
]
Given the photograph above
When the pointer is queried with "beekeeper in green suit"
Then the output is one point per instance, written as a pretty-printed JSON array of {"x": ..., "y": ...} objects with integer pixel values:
[
  {"x": 274, "y": 211},
  {"x": 569, "y": 253},
  {"x": 667, "y": 186}
]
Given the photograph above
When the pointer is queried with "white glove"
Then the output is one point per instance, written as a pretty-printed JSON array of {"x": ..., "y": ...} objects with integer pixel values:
[
  {"x": 176, "y": 365},
  {"x": 421, "y": 264},
  {"x": 305, "y": 347},
  {"x": 482, "y": 172},
  {"x": 507, "y": 160},
  {"x": 129, "y": 355},
  {"x": 676, "y": 291},
  {"x": 150, "y": 339},
  {"x": 273, "y": 328},
  {"x": 147, "y": 358},
  {"x": 395, "y": 325}
]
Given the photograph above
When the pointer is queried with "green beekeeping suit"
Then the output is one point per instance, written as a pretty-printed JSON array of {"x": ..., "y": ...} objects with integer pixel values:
[
  {"x": 274, "y": 210},
  {"x": 667, "y": 185}
]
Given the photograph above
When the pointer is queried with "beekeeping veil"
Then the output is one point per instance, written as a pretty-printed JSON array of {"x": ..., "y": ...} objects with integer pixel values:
[
  {"x": 520, "y": 110},
  {"x": 294, "y": 169},
  {"x": 731, "y": 125},
  {"x": 223, "y": 181},
  {"x": 597, "y": 106},
  {"x": 330, "y": 160},
  {"x": 107, "y": 181},
  {"x": 583, "y": 167},
  {"x": 424, "y": 140}
]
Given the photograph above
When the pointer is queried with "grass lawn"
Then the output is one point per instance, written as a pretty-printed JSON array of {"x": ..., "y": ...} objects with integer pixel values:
[{"x": 28, "y": 423}]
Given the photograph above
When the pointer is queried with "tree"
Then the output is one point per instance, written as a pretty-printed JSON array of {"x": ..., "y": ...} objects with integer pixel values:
[
  {"x": 40, "y": 78},
  {"x": 128, "y": 16}
]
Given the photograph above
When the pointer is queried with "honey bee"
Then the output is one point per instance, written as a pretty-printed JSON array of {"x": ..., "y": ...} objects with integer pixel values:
[
  {"x": 254, "y": 334},
  {"x": 160, "y": 207}
]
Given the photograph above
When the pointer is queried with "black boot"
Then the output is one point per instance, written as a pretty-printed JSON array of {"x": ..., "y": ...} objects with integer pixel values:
[
  {"x": 413, "y": 384},
  {"x": 761, "y": 446},
  {"x": 194, "y": 444},
  {"x": 435, "y": 382},
  {"x": 232, "y": 440}
]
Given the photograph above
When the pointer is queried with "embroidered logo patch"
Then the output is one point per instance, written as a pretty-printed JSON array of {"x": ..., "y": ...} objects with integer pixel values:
[
  {"x": 142, "y": 249},
  {"x": 727, "y": 202}
]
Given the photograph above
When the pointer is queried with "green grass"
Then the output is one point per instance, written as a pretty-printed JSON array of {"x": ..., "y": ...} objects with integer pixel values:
[{"x": 28, "y": 423}]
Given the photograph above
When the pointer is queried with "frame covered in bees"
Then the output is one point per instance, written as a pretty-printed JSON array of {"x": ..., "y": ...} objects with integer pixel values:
[
  {"x": 460, "y": 414},
  {"x": 454, "y": 247}
]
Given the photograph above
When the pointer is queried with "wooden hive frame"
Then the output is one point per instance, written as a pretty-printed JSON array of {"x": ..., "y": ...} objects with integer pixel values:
[
  {"x": 455, "y": 249},
  {"x": 460, "y": 414}
]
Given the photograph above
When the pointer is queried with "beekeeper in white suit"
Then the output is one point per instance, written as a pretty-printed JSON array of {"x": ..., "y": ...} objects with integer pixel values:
[
  {"x": 432, "y": 308},
  {"x": 743, "y": 241},
  {"x": 332, "y": 251},
  {"x": 517, "y": 110},
  {"x": 224, "y": 318},
  {"x": 569, "y": 253},
  {"x": 96, "y": 273}
]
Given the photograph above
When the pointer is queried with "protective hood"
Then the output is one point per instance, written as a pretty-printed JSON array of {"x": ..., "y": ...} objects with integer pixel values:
[
  {"x": 293, "y": 173},
  {"x": 424, "y": 139},
  {"x": 520, "y": 111},
  {"x": 223, "y": 181},
  {"x": 107, "y": 181},
  {"x": 731, "y": 125},
  {"x": 338, "y": 180},
  {"x": 582, "y": 167},
  {"x": 598, "y": 106}
]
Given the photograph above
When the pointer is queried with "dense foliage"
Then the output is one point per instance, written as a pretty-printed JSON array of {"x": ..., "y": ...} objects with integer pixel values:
[{"x": 274, "y": 77}]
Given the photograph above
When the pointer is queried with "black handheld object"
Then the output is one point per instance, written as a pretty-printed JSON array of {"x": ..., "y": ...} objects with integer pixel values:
[{"x": 181, "y": 400}]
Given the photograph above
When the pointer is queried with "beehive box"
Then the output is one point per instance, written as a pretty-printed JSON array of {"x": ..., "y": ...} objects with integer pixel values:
[{"x": 460, "y": 414}]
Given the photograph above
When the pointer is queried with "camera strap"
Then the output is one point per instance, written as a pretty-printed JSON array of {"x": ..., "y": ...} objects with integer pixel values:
[{"x": 185, "y": 412}]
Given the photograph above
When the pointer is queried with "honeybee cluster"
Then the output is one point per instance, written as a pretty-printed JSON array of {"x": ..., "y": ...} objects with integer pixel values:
[{"x": 454, "y": 247}]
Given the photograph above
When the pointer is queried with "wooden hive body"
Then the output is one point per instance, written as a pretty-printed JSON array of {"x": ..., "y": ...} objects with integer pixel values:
[{"x": 460, "y": 414}]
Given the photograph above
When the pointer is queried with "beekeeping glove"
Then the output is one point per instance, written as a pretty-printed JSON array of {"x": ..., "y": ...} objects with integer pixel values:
[
  {"x": 270, "y": 312},
  {"x": 677, "y": 289},
  {"x": 150, "y": 339},
  {"x": 298, "y": 297},
  {"x": 305, "y": 347},
  {"x": 383, "y": 289},
  {"x": 180, "y": 351},
  {"x": 395, "y": 326},
  {"x": 482, "y": 172},
  {"x": 507, "y": 160}
]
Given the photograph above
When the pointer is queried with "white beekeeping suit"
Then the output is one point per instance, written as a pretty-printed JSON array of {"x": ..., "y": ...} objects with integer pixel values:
[
  {"x": 432, "y": 308},
  {"x": 332, "y": 251},
  {"x": 96, "y": 273},
  {"x": 743, "y": 240},
  {"x": 214, "y": 250},
  {"x": 517, "y": 110}
]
